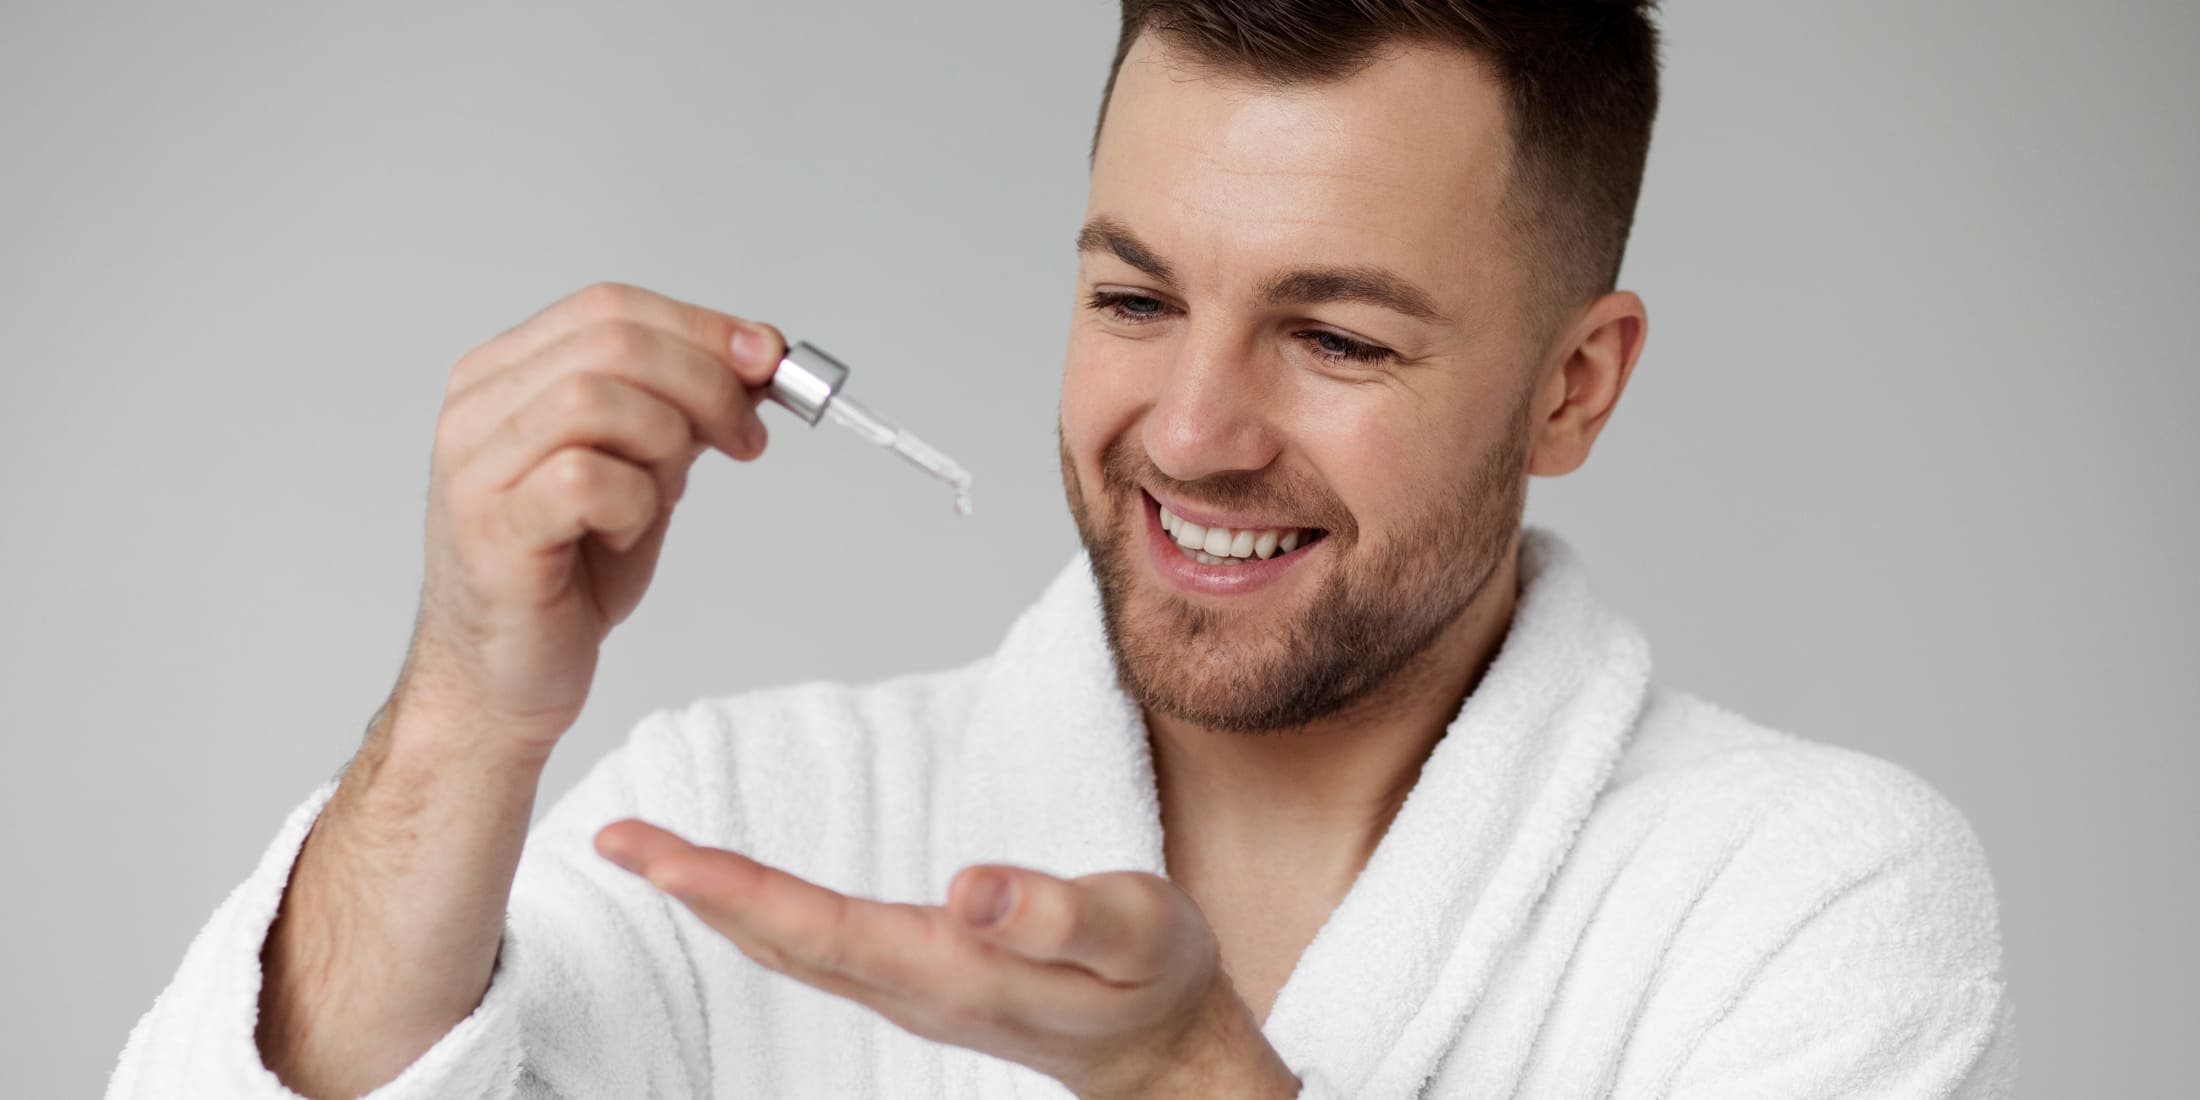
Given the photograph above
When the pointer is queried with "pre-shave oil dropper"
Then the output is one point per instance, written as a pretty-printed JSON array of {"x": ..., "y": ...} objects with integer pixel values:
[{"x": 808, "y": 384}]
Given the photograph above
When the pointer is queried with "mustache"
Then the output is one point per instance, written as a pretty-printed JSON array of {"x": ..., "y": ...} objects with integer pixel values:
[{"x": 1125, "y": 470}]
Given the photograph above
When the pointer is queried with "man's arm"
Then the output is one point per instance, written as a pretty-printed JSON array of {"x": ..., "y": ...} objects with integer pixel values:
[
  {"x": 561, "y": 451},
  {"x": 390, "y": 925}
]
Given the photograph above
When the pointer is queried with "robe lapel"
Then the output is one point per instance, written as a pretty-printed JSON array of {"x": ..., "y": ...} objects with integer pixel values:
[{"x": 1054, "y": 772}]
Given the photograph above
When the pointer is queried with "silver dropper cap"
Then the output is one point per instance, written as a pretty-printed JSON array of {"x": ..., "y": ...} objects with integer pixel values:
[{"x": 806, "y": 381}]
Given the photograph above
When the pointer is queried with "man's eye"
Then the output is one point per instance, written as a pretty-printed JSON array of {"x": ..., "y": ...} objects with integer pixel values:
[
  {"x": 1344, "y": 349},
  {"x": 1127, "y": 307},
  {"x": 1332, "y": 346}
]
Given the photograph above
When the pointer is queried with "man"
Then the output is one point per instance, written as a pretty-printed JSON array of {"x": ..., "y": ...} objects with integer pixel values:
[{"x": 1316, "y": 775}]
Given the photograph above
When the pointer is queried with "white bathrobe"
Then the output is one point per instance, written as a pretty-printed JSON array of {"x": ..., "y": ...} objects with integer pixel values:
[{"x": 1597, "y": 887}]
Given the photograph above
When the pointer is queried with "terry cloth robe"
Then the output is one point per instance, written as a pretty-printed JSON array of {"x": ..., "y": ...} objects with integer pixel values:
[{"x": 1597, "y": 887}]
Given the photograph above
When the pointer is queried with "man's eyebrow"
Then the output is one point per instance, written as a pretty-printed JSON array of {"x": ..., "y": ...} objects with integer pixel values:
[
  {"x": 1371, "y": 285},
  {"x": 1105, "y": 234}
]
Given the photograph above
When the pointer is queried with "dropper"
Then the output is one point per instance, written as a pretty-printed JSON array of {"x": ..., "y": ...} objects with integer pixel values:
[{"x": 808, "y": 384}]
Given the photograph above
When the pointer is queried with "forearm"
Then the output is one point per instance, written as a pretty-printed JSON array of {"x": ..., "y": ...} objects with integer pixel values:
[{"x": 389, "y": 927}]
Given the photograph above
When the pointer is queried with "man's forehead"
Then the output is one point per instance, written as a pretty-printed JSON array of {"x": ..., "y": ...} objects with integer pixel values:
[{"x": 1403, "y": 159}]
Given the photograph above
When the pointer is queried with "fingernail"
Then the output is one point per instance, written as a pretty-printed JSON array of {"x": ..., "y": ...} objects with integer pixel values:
[
  {"x": 748, "y": 345},
  {"x": 990, "y": 896},
  {"x": 625, "y": 860}
]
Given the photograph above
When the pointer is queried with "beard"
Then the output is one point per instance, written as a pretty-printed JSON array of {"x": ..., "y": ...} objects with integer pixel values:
[{"x": 1370, "y": 621}]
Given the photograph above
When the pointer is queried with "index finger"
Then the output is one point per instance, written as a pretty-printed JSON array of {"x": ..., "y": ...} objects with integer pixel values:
[
  {"x": 870, "y": 942},
  {"x": 708, "y": 329}
]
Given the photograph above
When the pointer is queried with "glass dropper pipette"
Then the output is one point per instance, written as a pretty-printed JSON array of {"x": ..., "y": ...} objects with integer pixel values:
[{"x": 808, "y": 384}]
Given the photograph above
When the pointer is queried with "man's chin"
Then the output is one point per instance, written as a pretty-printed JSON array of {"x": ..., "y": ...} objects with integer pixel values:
[{"x": 1185, "y": 650}]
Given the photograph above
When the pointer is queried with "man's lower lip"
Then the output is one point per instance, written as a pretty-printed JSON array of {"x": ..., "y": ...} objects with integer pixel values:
[{"x": 1215, "y": 580}]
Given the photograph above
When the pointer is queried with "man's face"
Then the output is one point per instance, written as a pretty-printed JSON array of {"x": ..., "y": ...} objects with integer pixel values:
[{"x": 1298, "y": 319}]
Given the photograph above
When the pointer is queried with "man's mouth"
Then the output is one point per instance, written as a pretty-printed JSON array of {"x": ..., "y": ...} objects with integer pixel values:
[{"x": 1233, "y": 545}]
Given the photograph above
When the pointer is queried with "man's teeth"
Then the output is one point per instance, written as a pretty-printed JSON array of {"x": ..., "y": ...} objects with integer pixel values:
[{"x": 1217, "y": 545}]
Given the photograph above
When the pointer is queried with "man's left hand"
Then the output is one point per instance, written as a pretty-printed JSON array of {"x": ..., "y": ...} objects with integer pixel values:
[{"x": 1110, "y": 983}]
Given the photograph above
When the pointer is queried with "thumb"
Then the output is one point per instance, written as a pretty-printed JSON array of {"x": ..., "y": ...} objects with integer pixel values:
[{"x": 1122, "y": 925}]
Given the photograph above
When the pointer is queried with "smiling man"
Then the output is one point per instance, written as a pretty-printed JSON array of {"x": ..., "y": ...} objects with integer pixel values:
[{"x": 1316, "y": 775}]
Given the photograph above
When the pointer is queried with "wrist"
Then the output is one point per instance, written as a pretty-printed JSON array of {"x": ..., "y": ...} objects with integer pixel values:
[
  {"x": 422, "y": 734},
  {"x": 1222, "y": 1053}
]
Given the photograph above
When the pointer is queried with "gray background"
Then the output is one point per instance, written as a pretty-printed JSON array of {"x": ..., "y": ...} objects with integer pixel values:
[{"x": 1907, "y": 466}]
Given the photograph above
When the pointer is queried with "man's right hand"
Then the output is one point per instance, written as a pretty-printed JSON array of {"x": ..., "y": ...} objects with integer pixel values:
[{"x": 561, "y": 450}]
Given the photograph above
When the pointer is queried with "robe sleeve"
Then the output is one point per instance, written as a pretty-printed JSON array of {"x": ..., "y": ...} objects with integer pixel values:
[
  {"x": 591, "y": 993},
  {"x": 1884, "y": 981}
]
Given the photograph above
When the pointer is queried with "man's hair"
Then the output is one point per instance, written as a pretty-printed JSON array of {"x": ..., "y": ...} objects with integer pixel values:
[{"x": 1580, "y": 81}]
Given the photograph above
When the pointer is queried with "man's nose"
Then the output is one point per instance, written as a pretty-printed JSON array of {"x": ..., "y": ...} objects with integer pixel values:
[{"x": 1211, "y": 415}]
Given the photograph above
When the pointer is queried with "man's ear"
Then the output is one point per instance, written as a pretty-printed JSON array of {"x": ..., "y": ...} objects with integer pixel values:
[{"x": 1581, "y": 385}]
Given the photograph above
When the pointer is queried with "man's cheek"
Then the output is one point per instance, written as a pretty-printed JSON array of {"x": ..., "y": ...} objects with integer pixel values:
[{"x": 1085, "y": 436}]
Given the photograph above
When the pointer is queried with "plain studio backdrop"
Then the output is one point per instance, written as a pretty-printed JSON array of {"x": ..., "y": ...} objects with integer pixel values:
[{"x": 1907, "y": 465}]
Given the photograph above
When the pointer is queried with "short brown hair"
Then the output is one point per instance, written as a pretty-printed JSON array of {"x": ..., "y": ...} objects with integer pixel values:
[{"x": 1580, "y": 79}]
